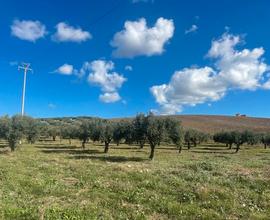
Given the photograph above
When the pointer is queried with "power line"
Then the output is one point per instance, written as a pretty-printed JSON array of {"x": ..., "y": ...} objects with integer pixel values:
[{"x": 25, "y": 67}]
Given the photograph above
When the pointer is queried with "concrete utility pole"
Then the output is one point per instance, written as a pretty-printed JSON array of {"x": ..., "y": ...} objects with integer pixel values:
[{"x": 25, "y": 67}]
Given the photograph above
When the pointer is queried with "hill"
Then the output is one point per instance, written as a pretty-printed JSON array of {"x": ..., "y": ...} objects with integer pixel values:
[
  {"x": 205, "y": 123},
  {"x": 214, "y": 123}
]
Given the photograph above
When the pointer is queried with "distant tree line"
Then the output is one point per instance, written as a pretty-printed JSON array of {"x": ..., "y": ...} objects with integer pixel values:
[
  {"x": 238, "y": 138},
  {"x": 142, "y": 130}
]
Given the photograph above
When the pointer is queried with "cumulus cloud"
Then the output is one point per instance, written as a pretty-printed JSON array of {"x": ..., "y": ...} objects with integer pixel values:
[
  {"x": 102, "y": 75},
  {"x": 189, "y": 86},
  {"x": 244, "y": 70},
  {"x": 266, "y": 85},
  {"x": 110, "y": 97},
  {"x": 28, "y": 30},
  {"x": 138, "y": 39},
  {"x": 67, "y": 33},
  {"x": 193, "y": 28},
  {"x": 65, "y": 69},
  {"x": 238, "y": 69}
]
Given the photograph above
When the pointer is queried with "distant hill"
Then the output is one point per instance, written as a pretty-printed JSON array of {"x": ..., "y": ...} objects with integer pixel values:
[
  {"x": 206, "y": 123},
  {"x": 214, "y": 123}
]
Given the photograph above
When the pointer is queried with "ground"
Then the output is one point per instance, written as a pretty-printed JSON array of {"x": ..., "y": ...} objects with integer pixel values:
[{"x": 56, "y": 180}]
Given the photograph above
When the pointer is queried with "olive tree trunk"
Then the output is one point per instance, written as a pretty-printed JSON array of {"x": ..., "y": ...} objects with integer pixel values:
[
  {"x": 83, "y": 144},
  {"x": 106, "y": 149},
  {"x": 180, "y": 149},
  {"x": 237, "y": 148},
  {"x": 151, "y": 157}
]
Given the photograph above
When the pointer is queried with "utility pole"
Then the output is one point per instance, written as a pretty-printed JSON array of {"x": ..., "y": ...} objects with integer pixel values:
[{"x": 25, "y": 67}]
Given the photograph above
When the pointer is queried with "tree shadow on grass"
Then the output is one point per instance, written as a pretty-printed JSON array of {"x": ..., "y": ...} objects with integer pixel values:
[
  {"x": 139, "y": 151},
  {"x": 213, "y": 148},
  {"x": 167, "y": 148},
  {"x": 70, "y": 151},
  {"x": 124, "y": 148},
  {"x": 56, "y": 147},
  {"x": 211, "y": 152},
  {"x": 113, "y": 159},
  {"x": 50, "y": 143},
  {"x": 88, "y": 151}
]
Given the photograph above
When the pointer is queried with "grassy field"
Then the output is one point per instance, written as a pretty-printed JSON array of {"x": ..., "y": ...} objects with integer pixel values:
[{"x": 61, "y": 181}]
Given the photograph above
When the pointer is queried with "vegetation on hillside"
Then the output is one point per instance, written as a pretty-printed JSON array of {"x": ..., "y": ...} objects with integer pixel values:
[{"x": 143, "y": 129}]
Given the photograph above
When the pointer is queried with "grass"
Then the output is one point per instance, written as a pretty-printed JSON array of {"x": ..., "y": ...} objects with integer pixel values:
[{"x": 59, "y": 181}]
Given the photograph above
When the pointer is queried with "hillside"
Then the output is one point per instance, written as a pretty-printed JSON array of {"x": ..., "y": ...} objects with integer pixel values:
[
  {"x": 207, "y": 123},
  {"x": 214, "y": 123}
]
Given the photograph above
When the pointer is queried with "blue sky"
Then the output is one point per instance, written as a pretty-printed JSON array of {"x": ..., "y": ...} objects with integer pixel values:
[{"x": 114, "y": 58}]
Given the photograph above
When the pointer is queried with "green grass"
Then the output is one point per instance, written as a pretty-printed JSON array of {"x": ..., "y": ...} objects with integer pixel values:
[{"x": 58, "y": 181}]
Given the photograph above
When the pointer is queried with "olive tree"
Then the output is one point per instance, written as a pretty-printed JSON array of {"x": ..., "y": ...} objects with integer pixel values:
[
  {"x": 239, "y": 138},
  {"x": 68, "y": 131},
  {"x": 43, "y": 130},
  {"x": 203, "y": 137},
  {"x": 4, "y": 127},
  {"x": 188, "y": 138},
  {"x": 140, "y": 129},
  {"x": 252, "y": 138},
  {"x": 119, "y": 132},
  {"x": 129, "y": 132},
  {"x": 84, "y": 132},
  {"x": 154, "y": 132},
  {"x": 32, "y": 129},
  {"x": 95, "y": 134},
  {"x": 191, "y": 137},
  {"x": 174, "y": 132},
  {"x": 53, "y": 131},
  {"x": 107, "y": 130},
  {"x": 16, "y": 131},
  {"x": 265, "y": 139},
  {"x": 224, "y": 137}
]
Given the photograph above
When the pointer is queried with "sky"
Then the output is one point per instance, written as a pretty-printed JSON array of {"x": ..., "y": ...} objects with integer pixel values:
[{"x": 117, "y": 58}]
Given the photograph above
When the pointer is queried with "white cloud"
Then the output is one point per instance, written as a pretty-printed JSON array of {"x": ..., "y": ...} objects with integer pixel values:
[
  {"x": 189, "y": 86},
  {"x": 193, "y": 28},
  {"x": 28, "y": 30},
  {"x": 83, "y": 71},
  {"x": 66, "y": 33},
  {"x": 244, "y": 70},
  {"x": 238, "y": 69},
  {"x": 266, "y": 85},
  {"x": 110, "y": 97},
  {"x": 137, "y": 39},
  {"x": 102, "y": 75},
  {"x": 128, "y": 68},
  {"x": 65, "y": 69}
]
